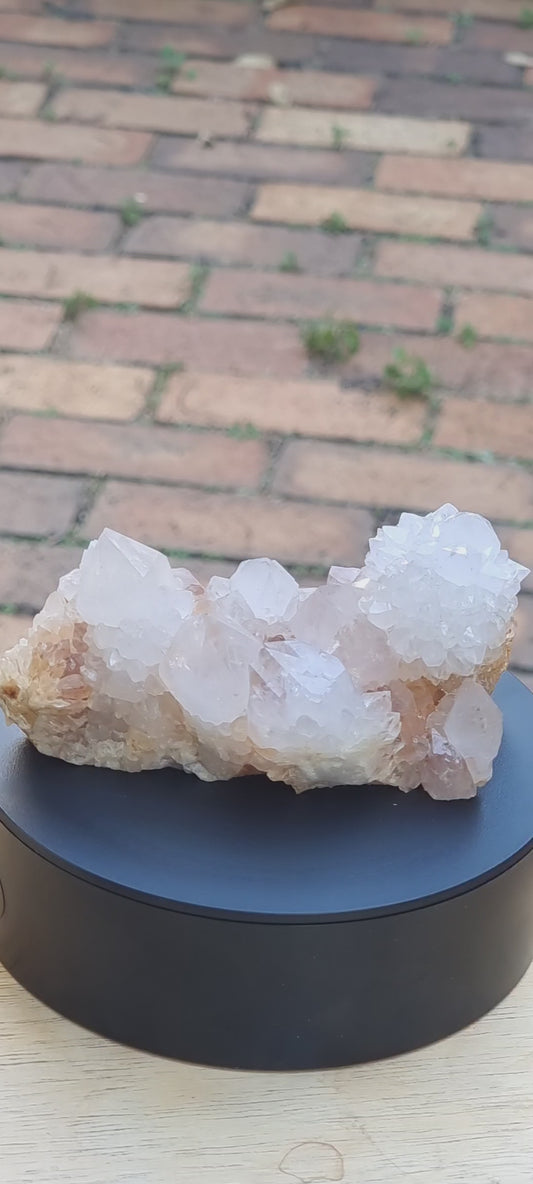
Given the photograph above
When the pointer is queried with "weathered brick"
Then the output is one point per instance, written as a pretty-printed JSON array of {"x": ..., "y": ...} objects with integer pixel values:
[
  {"x": 35, "y": 505},
  {"x": 37, "y": 140},
  {"x": 505, "y": 38},
  {"x": 512, "y": 226},
  {"x": 365, "y": 209},
  {"x": 380, "y": 59},
  {"x": 50, "y": 226},
  {"x": 108, "y": 68},
  {"x": 438, "y": 100},
  {"x": 197, "y": 40},
  {"x": 460, "y": 266},
  {"x": 490, "y": 371},
  {"x": 259, "y": 161},
  {"x": 372, "y": 26},
  {"x": 13, "y": 626},
  {"x": 497, "y": 316},
  {"x": 27, "y": 325},
  {"x": 505, "y": 143},
  {"x": 488, "y": 180},
  {"x": 73, "y": 388},
  {"x": 20, "y": 98},
  {"x": 375, "y": 133},
  {"x": 153, "y": 453},
  {"x": 308, "y": 87},
  {"x": 160, "y": 113},
  {"x": 528, "y": 77},
  {"x": 496, "y": 10},
  {"x": 231, "y": 347},
  {"x": 11, "y": 174},
  {"x": 204, "y": 12},
  {"x": 30, "y": 571},
  {"x": 143, "y": 281},
  {"x": 243, "y": 526},
  {"x": 302, "y": 408},
  {"x": 475, "y": 426},
  {"x": 52, "y": 31},
  {"x": 344, "y": 473},
  {"x": 241, "y": 293},
  {"x": 241, "y": 242},
  {"x": 523, "y": 642},
  {"x": 72, "y": 185},
  {"x": 519, "y": 543}
]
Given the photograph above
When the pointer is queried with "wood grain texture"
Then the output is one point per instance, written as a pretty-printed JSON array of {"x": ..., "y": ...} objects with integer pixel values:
[{"x": 74, "y": 1107}]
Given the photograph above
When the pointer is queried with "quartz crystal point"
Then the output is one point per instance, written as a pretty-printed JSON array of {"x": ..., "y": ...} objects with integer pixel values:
[{"x": 383, "y": 674}]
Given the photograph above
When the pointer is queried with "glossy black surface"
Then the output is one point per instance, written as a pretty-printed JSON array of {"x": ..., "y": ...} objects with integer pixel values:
[{"x": 255, "y": 850}]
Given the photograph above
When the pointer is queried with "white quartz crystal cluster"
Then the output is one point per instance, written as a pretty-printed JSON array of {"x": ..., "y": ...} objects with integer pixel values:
[{"x": 382, "y": 674}]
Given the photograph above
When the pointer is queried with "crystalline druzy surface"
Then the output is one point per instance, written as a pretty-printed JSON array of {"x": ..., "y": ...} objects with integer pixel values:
[{"x": 383, "y": 674}]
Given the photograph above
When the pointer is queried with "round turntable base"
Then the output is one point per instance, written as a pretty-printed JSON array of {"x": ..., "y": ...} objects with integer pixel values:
[{"x": 239, "y": 924}]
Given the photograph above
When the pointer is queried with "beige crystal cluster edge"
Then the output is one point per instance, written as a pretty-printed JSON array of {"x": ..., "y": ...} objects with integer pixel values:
[{"x": 382, "y": 675}]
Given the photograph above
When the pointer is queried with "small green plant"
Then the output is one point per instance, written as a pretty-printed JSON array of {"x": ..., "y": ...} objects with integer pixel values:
[
  {"x": 131, "y": 211},
  {"x": 290, "y": 262},
  {"x": 408, "y": 375},
  {"x": 444, "y": 324},
  {"x": 197, "y": 279},
  {"x": 525, "y": 20},
  {"x": 338, "y": 136},
  {"x": 455, "y": 79},
  {"x": 463, "y": 20},
  {"x": 335, "y": 224},
  {"x": 468, "y": 336},
  {"x": 331, "y": 341},
  {"x": 8, "y": 609},
  {"x": 243, "y": 431},
  {"x": 484, "y": 229},
  {"x": 49, "y": 114},
  {"x": 75, "y": 305},
  {"x": 170, "y": 64},
  {"x": 414, "y": 36}
]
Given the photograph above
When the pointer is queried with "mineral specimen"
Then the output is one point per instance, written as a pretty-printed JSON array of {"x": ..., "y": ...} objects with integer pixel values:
[{"x": 383, "y": 674}]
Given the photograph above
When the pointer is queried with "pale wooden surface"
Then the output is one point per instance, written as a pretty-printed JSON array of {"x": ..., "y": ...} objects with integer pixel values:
[{"x": 75, "y": 1108}]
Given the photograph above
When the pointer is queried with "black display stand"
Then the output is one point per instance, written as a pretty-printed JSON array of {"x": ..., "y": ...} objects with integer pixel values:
[{"x": 238, "y": 924}]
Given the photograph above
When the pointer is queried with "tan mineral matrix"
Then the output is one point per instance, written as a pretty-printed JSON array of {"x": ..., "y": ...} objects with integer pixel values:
[{"x": 383, "y": 674}]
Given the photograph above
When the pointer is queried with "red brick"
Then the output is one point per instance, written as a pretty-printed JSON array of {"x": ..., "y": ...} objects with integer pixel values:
[
  {"x": 11, "y": 174},
  {"x": 372, "y": 26},
  {"x": 73, "y": 388},
  {"x": 12, "y": 628},
  {"x": 490, "y": 371},
  {"x": 309, "y": 87},
  {"x": 231, "y": 347},
  {"x": 496, "y": 10},
  {"x": 519, "y": 544},
  {"x": 243, "y": 243},
  {"x": 475, "y": 426},
  {"x": 436, "y": 100},
  {"x": 261, "y": 161},
  {"x": 159, "y": 113},
  {"x": 20, "y": 98},
  {"x": 156, "y": 453},
  {"x": 34, "y": 505},
  {"x": 488, "y": 180},
  {"x": 27, "y": 325},
  {"x": 203, "y": 12},
  {"x": 241, "y": 527},
  {"x": 72, "y": 185},
  {"x": 108, "y": 68},
  {"x": 374, "y": 133},
  {"x": 364, "y": 209},
  {"x": 52, "y": 31},
  {"x": 50, "y": 226},
  {"x": 240, "y": 293},
  {"x": 47, "y": 141},
  {"x": 341, "y": 472},
  {"x": 459, "y": 266},
  {"x": 30, "y": 571},
  {"x": 497, "y": 316},
  {"x": 302, "y": 408},
  {"x": 43, "y": 273}
]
